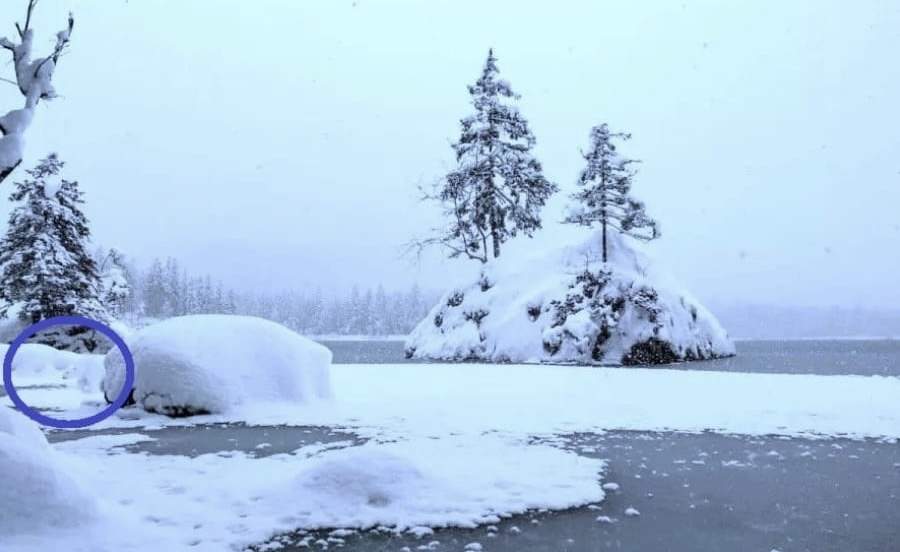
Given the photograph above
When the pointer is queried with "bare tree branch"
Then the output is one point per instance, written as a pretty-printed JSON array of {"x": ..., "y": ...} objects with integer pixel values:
[
  {"x": 31, "y": 5},
  {"x": 34, "y": 79}
]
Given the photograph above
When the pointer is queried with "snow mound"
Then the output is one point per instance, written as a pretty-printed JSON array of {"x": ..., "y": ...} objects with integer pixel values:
[
  {"x": 36, "y": 363},
  {"x": 565, "y": 305},
  {"x": 213, "y": 363},
  {"x": 435, "y": 483},
  {"x": 37, "y": 494}
]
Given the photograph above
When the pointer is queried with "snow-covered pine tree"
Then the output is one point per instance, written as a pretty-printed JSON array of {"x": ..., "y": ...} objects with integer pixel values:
[
  {"x": 175, "y": 302},
  {"x": 498, "y": 187},
  {"x": 155, "y": 291},
  {"x": 604, "y": 196},
  {"x": 114, "y": 282},
  {"x": 45, "y": 267}
]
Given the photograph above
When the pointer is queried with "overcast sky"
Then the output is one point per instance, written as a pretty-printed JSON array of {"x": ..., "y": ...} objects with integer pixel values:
[{"x": 280, "y": 143}]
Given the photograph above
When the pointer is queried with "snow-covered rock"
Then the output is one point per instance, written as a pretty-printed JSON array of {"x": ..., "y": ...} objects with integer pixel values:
[
  {"x": 37, "y": 493},
  {"x": 565, "y": 305},
  {"x": 212, "y": 363}
]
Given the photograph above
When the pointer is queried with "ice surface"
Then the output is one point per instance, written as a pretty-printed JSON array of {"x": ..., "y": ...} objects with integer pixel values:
[{"x": 212, "y": 363}]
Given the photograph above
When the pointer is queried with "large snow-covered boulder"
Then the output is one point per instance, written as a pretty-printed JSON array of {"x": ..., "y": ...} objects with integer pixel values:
[
  {"x": 37, "y": 493},
  {"x": 565, "y": 305},
  {"x": 212, "y": 363}
]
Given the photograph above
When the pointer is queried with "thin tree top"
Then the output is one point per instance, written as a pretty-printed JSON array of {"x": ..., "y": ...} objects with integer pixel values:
[
  {"x": 605, "y": 184},
  {"x": 488, "y": 84},
  {"x": 494, "y": 118}
]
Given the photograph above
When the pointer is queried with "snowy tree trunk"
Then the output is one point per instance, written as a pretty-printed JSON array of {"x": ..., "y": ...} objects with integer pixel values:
[
  {"x": 604, "y": 239},
  {"x": 34, "y": 79}
]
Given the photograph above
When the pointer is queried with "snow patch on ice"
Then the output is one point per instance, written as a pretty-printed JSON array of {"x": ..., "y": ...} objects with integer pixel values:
[
  {"x": 436, "y": 483},
  {"x": 213, "y": 503}
]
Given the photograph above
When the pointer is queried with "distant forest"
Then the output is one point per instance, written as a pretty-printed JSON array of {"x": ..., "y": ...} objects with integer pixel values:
[{"x": 165, "y": 289}]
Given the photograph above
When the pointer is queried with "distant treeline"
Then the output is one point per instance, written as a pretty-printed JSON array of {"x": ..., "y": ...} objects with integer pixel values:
[
  {"x": 166, "y": 289},
  {"x": 787, "y": 322}
]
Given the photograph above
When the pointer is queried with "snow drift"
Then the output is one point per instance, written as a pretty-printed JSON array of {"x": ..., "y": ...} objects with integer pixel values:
[
  {"x": 212, "y": 363},
  {"x": 37, "y": 494},
  {"x": 40, "y": 364},
  {"x": 434, "y": 483},
  {"x": 565, "y": 305}
]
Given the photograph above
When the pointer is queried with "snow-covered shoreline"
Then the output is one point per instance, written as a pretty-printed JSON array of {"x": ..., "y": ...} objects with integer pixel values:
[
  {"x": 389, "y": 400},
  {"x": 532, "y": 399}
]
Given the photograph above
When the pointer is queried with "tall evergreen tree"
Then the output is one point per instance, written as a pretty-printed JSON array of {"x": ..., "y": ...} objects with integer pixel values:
[
  {"x": 155, "y": 291},
  {"x": 498, "y": 187},
  {"x": 45, "y": 267},
  {"x": 174, "y": 302},
  {"x": 604, "y": 194},
  {"x": 114, "y": 279}
]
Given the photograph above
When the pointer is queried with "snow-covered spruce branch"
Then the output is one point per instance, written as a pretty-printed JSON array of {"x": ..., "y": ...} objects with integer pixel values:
[
  {"x": 34, "y": 77},
  {"x": 454, "y": 238}
]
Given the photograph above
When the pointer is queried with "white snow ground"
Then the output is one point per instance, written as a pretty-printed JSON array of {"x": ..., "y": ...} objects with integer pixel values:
[
  {"x": 220, "y": 502},
  {"x": 39, "y": 492},
  {"x": 438, "y": 399},
  {"x": 450, "y": 448}
]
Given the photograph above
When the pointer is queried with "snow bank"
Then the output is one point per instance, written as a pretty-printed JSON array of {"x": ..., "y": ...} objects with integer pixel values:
[
  {"x": 36, "y": 493},
  {"x": 212, "y": 363},
  {"x": 41, "y": 364},
  {"x": 564, "y": 305},
  {"x": 436, "y": 483}
]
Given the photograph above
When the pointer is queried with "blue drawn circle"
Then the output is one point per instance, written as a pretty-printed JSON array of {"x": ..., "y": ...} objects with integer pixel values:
[{"x": 68, "y": 321}]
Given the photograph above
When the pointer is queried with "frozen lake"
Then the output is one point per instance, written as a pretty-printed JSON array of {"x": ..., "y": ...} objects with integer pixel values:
[
  {"x": 826, "y": 357},
  {"x": 704, "y": 493},
  {"x": 716, "y": 472},
  {"x": 694, "y": 492}
]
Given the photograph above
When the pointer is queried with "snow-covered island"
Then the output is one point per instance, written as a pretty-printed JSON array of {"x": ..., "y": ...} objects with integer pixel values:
[
  {"x": 589, "y": 299},
  {"x": 566, "y": 306},
  {"x": 592, "y": 298}
]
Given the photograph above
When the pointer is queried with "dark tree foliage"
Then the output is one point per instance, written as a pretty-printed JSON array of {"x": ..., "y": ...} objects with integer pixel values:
[
  {"x": 45, "y": 267},
  {"x": 605, "y": 188},
  {"x": 498, "y": 188}
]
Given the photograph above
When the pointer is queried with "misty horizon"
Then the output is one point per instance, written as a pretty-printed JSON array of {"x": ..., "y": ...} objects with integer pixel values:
[{"x": 767, "y": 161}]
